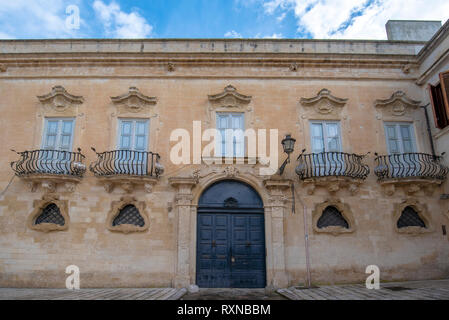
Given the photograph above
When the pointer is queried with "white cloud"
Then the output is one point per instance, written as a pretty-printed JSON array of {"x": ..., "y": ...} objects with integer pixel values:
[
  {"x": 232, "y": 34},
  {"x": 274, "y": 36},
  {"x": 35, "y": 19},
  {"x": 120, "y": 24},
  {"x": 281, "y": 17},
  {"x": 356, "y": 19}
]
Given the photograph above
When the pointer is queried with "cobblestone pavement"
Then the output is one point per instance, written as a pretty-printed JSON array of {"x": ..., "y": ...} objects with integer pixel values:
[
  {"x": 92, "y": 294},
  {"x": 411, "y": 290},
  {"x": 233, "y": 294}
]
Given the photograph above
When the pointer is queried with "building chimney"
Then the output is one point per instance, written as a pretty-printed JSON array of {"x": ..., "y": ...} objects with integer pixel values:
[{"x": 411, "y": 30}]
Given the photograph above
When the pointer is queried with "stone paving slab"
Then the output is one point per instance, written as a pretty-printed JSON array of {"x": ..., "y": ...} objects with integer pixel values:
[
  {"x": 92, "y": 294},
  {"x": 410, "y": 290}
]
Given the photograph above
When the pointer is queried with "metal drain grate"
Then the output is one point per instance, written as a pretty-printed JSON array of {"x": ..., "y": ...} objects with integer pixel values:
[
  {"x": 306, "y": 288},
  {"x": 397, "y": 288}
]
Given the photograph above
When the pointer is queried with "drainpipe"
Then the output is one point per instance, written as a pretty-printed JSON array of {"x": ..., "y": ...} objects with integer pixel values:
[
  {"x": 306, "y": 236},
  {"x": 428, "y": 129},
  {"x": 306, "y": 239}
]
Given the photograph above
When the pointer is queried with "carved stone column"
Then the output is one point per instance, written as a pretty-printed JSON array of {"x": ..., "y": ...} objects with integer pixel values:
[
  {"x": 183, "y": 203},
  {"x": 277, "y": 206}
]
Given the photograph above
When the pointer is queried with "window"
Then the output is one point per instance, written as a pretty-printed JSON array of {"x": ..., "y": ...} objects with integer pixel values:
[
  {"x": 410, "y": 218},
  {"x": 400, "y": 138},
  {"x": 331, "y": 216},
  {"x": 326, "y": 148},
  {"x": 133, "y": 135},
  {"x": 58, "y": 134},
  {"x": 325, "y": 136},
  {"x": 439, "y": 96},
  {"x": 231, "y": 127},
  {"x": 132, "y": 157},
  {"x": 50, "y": 214},
  {"x": 57, "y": 142},
  {"x": 129, "y": 215}
]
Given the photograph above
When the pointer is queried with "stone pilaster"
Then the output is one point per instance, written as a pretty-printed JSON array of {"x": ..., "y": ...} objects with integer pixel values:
[
  {"x": 277, "y": 205},
  {"x": 183, "y": 203}
]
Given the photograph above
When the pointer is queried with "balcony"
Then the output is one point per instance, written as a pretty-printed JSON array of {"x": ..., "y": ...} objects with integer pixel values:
[
  {"x": 415, "y": 171},
  {"x": 333, "y": 170},
  {"x": 127, "y": 168},
  {"x": 50, "y": 168}
]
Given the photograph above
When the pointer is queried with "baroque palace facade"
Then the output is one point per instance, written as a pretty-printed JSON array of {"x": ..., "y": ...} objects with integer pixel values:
[{"x": 86, "y": 176}]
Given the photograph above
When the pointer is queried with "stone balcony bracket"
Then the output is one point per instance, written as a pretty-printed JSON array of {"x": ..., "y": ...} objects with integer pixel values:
[
  {"x": 332, "y": 184},
  {"x": 128, "y": 183},
  {"x": 410, "y": 186},
  {"x": 50, "y": 182}
]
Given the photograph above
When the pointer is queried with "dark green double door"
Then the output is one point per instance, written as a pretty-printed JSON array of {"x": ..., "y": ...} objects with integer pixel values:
[{"x": 231, "y": 250}]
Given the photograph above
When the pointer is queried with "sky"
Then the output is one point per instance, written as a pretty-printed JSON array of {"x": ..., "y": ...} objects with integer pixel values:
[{"x": 311, "y": 19}]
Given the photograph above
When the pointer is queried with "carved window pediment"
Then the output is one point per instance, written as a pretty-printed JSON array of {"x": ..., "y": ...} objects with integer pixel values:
[
  {"x": 59, "y": 99},
  {"x": 398, "y": 104},
  {"x": 324, "y": 102},
  {"x": 229, "y": 98},
  {"x": 49, "y": 214},
  {"x": 344, "y": 213},
  {"x": 421, "y": 214},
  {"x": 134, "y": 100},
  {"x": 127, "y": 215}
]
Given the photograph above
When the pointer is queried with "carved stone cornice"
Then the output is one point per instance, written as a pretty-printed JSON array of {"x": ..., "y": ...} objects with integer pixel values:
[
  {"x": 229, "y": 97},
  {"x": 410, "y": 186},
  {"x": 324, "y": 102},
  {"x": 128, "y": 183},
  {"x": 332, "y": 184},
  {"x": 59, "y": 99},
  {"x": 276, "y": 188},
  {"x": 49, "y": 182},
  {"x": 134, "y": 100},
  {"x": 397, "y": 104}
]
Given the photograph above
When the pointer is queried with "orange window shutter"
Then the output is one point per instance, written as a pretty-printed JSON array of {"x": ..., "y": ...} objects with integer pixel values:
[
  {"x": 434, "y": 102},
  {"x": 444, "y": 80}
]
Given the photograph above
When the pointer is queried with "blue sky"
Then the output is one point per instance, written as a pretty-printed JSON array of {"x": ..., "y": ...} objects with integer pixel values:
[{"x": 344, "y": 19}]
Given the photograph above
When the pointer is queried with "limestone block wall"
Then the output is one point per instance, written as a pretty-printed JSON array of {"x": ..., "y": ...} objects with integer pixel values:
[{"x": 30, "y": 258}]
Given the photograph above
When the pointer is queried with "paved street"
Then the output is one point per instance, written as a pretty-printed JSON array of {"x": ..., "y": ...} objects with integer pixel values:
[
  {"x": 92, "y": 294},
  {"x": 411, "y": 290}
]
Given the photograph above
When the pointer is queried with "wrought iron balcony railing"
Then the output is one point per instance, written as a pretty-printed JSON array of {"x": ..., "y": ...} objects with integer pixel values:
[
  {"x": 328, "y": 164},
  {"x": 410, "y": 165},
  {"x": 126, "y": 162},
  {"x": 52, "y": 162}
]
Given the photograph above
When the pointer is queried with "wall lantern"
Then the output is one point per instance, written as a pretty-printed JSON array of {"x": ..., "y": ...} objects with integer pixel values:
[{"x": 288, "y": 143}]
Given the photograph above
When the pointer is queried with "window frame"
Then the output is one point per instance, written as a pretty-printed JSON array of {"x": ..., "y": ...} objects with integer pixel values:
[
  {"x": 397, "y": 125},
  {"x": 324, "y": 124},
  {"x": 133, "y": 135},
  {"x": 58, "y": 132},
  {"x": 219, "y": 152}
]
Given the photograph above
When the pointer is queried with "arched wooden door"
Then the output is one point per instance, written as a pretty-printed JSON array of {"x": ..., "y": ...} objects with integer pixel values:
[{"x": 230, "y": 237}]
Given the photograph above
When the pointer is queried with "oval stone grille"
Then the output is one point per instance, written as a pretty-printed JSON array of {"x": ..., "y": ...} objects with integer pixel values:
[
  {"x": 50, "y": 214},
  {"x": 332, "y": 217},
  {"x": 129, "y": 215},
  {"x": 410, "y": 218}
]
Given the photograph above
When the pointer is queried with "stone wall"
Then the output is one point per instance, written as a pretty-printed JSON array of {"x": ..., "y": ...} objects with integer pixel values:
[{"x": 164, "y": 255}]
